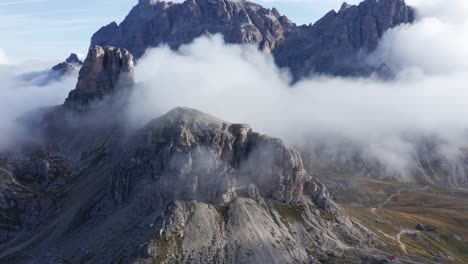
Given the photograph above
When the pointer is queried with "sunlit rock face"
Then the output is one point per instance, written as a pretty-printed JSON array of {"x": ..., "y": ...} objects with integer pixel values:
[
  {"x": 338, "y": 43},
  {"x": 152, "y": 23},
  {"x": 103, "y": 71},
  {"x": 334, "y": 45}
]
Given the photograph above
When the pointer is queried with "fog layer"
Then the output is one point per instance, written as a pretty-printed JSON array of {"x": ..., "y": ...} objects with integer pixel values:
[
  {"x": 382, "y": 120},
  {"x": 393, "y": 126},
  {"x": 19, "y": 96}
]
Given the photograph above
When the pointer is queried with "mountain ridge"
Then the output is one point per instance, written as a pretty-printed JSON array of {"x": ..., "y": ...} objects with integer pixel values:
[
  {"x": 334, "y": 45},
  {"x": 180, "y": 23}
]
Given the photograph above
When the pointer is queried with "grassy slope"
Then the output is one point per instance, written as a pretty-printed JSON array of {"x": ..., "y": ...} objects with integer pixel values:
[{"x": 445, "y": 210}]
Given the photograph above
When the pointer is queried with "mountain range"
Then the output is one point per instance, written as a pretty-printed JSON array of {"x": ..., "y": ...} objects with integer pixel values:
[
  {"x": 186, "y": 187},
  {"x": 334, "y": 45}
]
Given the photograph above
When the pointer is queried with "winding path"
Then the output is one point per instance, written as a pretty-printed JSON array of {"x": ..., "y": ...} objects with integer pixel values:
[
  {"x": 403, "y": 231},
  {"x": 389, "y": 199}
]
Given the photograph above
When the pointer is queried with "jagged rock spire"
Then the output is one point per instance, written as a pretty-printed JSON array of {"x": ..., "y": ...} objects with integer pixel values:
[
  {"x": 104, "y": 71},
  {"x": 73, "y": 59}
]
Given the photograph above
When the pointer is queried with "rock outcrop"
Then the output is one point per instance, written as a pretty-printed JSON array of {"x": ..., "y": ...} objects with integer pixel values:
[
  {"x": 104, "y": 71},
  {"x": 71, "y": 64},
  {"x": 334, "y": 45},
  {"x": 68, "y": 68},
  {"x": 337, "y": 43},
  {"x": 209, "y": 160},
  {"x": 151, "y": 23}
]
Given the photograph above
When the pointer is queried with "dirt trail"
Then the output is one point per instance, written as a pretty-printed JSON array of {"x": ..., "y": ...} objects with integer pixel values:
[
  {"x": 389, "y": 199},
  {"x": 379, "y": 206},
  {"x": 403, "y": 231},
  {"x": 398, "y": 238}
]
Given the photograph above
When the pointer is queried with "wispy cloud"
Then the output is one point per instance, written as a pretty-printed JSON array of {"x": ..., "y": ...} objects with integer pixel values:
[
  {"x": 3, "y": 57},
  {"x": 21, "y": 2}
]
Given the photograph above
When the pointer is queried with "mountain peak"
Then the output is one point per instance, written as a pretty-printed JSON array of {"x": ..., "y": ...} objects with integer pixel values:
[
  {"x": 100, "y": 75},
  {"x": 66, "y": 68},
  {"x": 345, "y": 6},
  {"x": 73, "y": 59},
  {"x": 155, "y": 2},
  {"x": 335, "y": 43},
  {"x": 189, "y": 115},
  {"x": 240, "y": 22}
]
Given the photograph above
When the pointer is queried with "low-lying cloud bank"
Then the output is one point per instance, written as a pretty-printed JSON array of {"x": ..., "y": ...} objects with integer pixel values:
[
  {"x": 19, "y": 96},
  {"x": 383, "y": 121},
  {"x": 3, "y": 57}
]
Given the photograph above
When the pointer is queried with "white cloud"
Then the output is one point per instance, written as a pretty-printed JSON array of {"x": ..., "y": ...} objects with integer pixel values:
[
  {"x": 436, "y": 44},
  {"x": 240, "y": 84},
  {"x": 19, "y": 97},
  {"x": 3, "y": 57},
  {"x": 21, "y": 2}
]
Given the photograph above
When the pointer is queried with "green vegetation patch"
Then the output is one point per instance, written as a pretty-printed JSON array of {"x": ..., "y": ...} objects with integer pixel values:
[
  {"x": 289, "y": 213},
  {"x": 168, "y": 250}
]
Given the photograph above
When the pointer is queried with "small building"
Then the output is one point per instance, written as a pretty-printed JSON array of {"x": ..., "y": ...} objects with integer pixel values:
[
  {"x": 392, "y": 259},
  {"x": 420, "y": 227}
]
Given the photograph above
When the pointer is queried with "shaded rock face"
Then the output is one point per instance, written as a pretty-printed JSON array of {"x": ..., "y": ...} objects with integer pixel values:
[
  {"x": 73, "y": 59},
  {"x": 337, "y": 44},
  {"x": 186, "y": 188},
  {"x": 70, "y": 66},
  {"x": 152, "y": 23},
  {"x": 104, "y": 70},
  {"x": 209, "y": 160}
]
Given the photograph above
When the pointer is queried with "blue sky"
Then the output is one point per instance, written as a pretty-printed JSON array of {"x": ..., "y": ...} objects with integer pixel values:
[{"x": 51, "y": 29}]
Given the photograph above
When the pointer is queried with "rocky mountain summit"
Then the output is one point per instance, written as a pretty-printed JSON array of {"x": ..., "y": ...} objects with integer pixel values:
[
  {"x": 338, "y": 43},
  {"x": 152, "y": 23},
  {"x": 334, "y": 45},
  {"x": 102, "y": 71},
  {"x": 70, "y": 65},
  {"x": 68, "y": 68}
]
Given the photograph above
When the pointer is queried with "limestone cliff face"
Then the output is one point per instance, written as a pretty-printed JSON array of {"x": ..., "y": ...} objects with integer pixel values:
[
  {"x": 151, "y": 23},
  {"x": 335, "y": 45},
  {"x": 211, "y": 161},
  {"x": 102, "y": 71}
]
